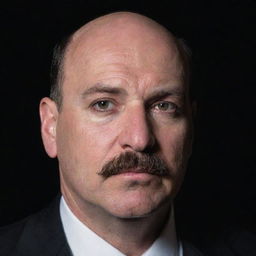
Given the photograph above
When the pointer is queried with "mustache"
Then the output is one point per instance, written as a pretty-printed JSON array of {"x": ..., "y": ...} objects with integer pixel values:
[{"x": 146, "y": 163}]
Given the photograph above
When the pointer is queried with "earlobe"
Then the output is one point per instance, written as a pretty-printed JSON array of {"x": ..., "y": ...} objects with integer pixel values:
[{"x": 49, "y": 116}]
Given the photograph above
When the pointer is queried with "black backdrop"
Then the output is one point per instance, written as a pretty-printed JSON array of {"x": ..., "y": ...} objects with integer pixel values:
[{"x": 220, "y": 184}]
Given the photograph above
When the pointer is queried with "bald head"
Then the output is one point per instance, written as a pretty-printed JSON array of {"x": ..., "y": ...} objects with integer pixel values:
[
  {"x": 119, "y": 88},
  {"x": 120, "y": 27},
  {"x": 128, "y": 33}
]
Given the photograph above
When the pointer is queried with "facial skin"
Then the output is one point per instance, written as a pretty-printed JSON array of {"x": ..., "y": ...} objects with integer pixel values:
[{"x": 122, "y": 91}]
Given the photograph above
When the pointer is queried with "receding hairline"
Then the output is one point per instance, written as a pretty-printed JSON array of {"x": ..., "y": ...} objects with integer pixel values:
[
  {"x": 125, "y": 19},
  {"x": 118, "y": 20}
]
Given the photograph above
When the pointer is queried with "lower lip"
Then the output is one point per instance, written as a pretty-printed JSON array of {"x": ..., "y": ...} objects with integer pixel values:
[{"x": 136, "y": 175}]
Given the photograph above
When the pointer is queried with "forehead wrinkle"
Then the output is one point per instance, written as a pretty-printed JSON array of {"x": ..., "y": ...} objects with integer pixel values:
[
  {"x": 103, "y": 35},
  {"x": 104, "y": 88},
  {"x": 106, "y": 57}
]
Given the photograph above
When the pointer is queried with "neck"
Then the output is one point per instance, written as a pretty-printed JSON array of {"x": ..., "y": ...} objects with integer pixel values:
[{"x": 131, "y": 236}]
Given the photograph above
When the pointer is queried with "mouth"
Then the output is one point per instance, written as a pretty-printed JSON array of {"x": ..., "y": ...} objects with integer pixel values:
[
  {"x": 136, "y": 173},
  {"x": 133, "y": 170}
]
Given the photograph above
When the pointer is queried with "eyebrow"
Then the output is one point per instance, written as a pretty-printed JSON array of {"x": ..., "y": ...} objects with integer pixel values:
[
  {"x": 103, "y": 88},
  {"x": 161, "y": 93}
]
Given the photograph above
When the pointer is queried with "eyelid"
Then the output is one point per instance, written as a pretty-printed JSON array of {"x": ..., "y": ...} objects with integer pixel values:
[
  {"x": 96, "y": 101},
  {"x": 173, "y": 110},
  {"x": 163, "y": 101},
  {"x": 102, "y": 99}
]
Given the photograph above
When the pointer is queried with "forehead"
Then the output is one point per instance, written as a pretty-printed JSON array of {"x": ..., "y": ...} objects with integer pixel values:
[{"x": 136, "y": 52}]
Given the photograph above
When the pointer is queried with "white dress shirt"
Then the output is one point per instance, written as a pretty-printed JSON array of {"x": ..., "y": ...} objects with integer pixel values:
[{"x": 83, "y": 241}]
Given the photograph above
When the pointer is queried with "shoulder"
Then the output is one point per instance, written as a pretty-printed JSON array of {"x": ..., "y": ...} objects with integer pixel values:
[
  {"x": 39, "y": 234},
  {"x": 237, "y": 240},
  {"x": 12, "y": 236},
  {"x": 236, "y": 243},
  {"x": 9, "y": 236},
  {"x": 190, "y": 250}
]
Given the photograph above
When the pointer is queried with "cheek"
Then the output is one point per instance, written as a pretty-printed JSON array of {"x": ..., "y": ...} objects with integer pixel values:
[
  {"x": 80, "y": 134},
  {"x": 174, "y": 143},
  {"x": 175, "y": 153},
  {"x": 83, "y": 146}
]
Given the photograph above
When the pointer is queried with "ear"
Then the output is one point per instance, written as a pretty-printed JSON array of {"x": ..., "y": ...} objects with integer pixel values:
[{"x": 49, "y": 116}]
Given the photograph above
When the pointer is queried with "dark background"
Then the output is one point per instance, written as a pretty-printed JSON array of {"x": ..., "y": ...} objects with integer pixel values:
[{"x": 219, "y": 189}]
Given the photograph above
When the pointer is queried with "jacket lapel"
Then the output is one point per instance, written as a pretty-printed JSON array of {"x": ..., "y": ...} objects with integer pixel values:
[
  {"x": 190, "y": 250},
  {"x": 43, "y": 234}
]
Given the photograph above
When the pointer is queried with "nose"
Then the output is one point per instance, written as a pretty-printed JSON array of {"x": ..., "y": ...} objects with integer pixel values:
[{"x": 136, "y": 131}]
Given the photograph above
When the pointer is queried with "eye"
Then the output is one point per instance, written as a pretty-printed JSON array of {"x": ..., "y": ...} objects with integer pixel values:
[
  {"x": 103, "y": 105},
  {"x": 165, "y": 106}
]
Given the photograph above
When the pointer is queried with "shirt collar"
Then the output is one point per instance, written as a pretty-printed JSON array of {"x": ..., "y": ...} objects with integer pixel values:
[{"x": 83, "y": 241}]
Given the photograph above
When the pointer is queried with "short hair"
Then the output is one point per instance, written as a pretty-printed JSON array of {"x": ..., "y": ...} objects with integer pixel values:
[
  {"x": 185, "y": 57},
  {"x": 57, "y": 70},
  {"x": 57, "y": 67}
]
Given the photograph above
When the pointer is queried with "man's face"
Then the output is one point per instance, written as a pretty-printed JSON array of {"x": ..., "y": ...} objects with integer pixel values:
[{"x": 122, "y": 97}]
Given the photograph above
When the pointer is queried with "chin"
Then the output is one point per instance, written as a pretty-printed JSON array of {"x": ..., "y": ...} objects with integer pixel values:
[{"x": 133, "y": 208}]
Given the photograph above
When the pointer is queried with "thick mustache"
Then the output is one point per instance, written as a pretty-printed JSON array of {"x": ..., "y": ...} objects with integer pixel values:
[{"x": 148, "y": 163}]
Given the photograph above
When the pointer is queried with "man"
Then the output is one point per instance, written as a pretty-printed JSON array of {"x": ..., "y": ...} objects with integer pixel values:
[{"x": 119, "y": 120}]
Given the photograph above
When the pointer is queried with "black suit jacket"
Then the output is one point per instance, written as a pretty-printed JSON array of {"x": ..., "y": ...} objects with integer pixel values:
[
  {"x": 42, "y": 234},
  {"x": 239, "y": 239}
]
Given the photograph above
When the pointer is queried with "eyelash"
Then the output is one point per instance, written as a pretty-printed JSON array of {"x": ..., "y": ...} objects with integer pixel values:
[
  {"x": 173, "y": 105},
  {"x": 154, "y": 107},
  {"x": 96, "y": 103}
]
